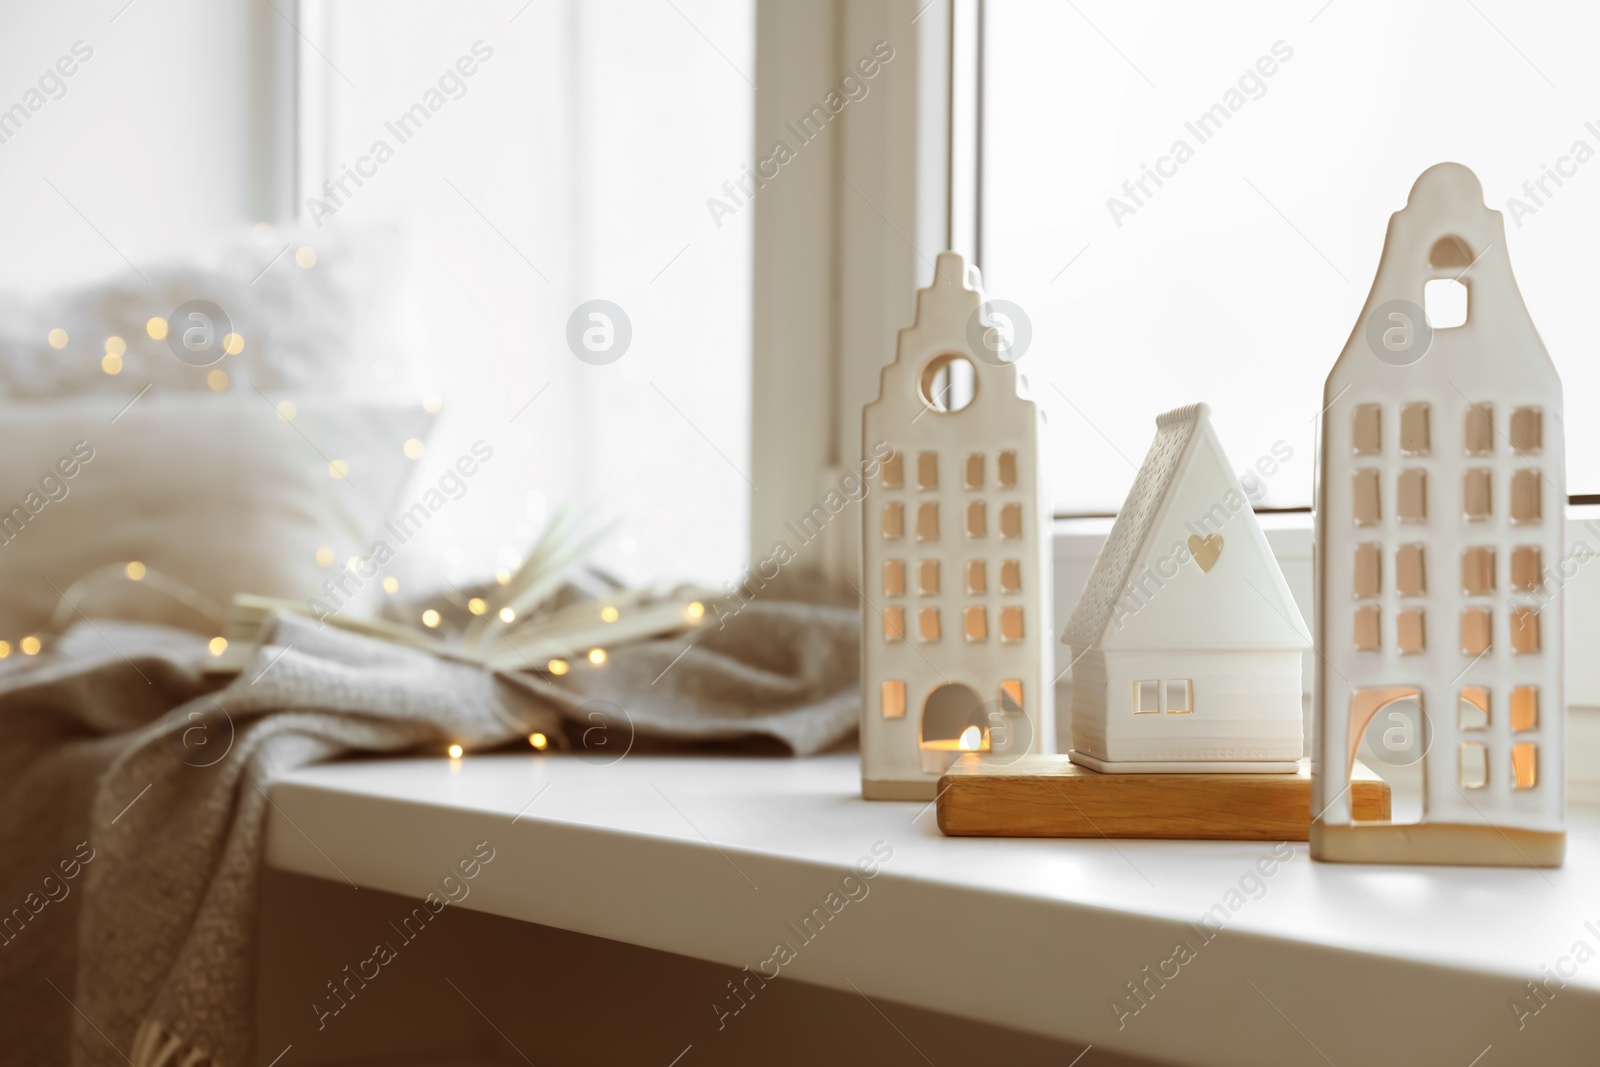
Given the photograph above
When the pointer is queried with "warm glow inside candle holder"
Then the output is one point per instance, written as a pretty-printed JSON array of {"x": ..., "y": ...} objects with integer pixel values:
[{"x": 940, "y": 752}]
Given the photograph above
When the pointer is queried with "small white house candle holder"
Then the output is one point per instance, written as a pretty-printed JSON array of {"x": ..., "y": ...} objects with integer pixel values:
[
  {"x": 1440, "y": 506},
  {"x": 1186, "y": 643},
  {"x": 955, "y": 592}
]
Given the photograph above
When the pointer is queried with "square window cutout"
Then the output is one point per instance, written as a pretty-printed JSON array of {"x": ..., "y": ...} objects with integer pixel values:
[
  {"x": 1147, "y": 697},
  {"x": 1444, "y": 303},
  {"x": 1180, "y": 696}
]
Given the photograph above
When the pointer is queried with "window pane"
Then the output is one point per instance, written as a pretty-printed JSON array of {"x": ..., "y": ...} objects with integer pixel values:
[
  {"x": 573, "y": 164},
  {"x": 1231, "y": 269}
]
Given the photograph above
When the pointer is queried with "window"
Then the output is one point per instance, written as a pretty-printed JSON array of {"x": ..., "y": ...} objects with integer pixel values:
[
  {"x": 1411, "y": 634},
  {"x": 1476, "y": 627},
  {"x": 1410, "y": 570},
  {"x": 1478, "y": 432},
  {"x": 524, "y": 194},
  {"x": 1524, "y": 708},
  {"x": 894, "y": 577},
  {"x": 1413, "y": 502},
  {"x": 1414, "y": 437},
  {"x": 1477, "y": 570},
  {"x": 976, "y": 623},
  {"x": 1217, "y": 254},
  {"x": 1367, "y": 627},
  {"x": 1369, "y": 570},
  {"x": 892, "y": 699},
  {"x": 1527, "y": 430},
  {"x": 977, "y": 577},
  {"x": 1476, "y": 503},
  {"x": 1175, "y": 696}
]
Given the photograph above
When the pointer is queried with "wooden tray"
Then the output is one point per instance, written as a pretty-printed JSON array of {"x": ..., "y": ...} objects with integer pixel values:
[{"x": 1049, "y": 796}]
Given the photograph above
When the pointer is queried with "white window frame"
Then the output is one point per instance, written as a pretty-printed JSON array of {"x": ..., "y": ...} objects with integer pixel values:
[{"x": 843, "y": 243}]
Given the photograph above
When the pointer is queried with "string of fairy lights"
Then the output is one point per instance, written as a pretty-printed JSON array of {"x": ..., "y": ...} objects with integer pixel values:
[{"x": 112, "y": 362}]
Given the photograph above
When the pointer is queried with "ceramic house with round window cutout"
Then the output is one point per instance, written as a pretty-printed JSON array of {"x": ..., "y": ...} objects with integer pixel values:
[
  {"x": 955, "y": 595},
  {"x": 1186, "y": 643},
  {"x": 1440, "y": 506}
]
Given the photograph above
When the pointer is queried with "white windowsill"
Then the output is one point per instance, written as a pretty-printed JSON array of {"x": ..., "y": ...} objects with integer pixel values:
[{"x": 713, "y": 857}]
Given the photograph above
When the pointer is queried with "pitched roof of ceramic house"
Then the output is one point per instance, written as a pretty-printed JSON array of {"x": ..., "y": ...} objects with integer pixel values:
[{"x": 1248, "y": 605}]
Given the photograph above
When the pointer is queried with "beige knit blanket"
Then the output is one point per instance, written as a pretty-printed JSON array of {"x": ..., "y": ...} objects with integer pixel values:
[{"x": 134, "y": 792}]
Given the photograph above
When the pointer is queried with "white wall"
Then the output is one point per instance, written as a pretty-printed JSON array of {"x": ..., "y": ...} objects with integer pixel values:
[{"x": 156, "y": 137}]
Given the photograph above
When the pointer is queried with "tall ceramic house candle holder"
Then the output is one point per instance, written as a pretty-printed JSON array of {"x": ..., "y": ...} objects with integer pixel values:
[
  {"x": 1186, "y": 643},
  {"x": 955, "y": 556},
  {"x": 1440, "y": 506}
]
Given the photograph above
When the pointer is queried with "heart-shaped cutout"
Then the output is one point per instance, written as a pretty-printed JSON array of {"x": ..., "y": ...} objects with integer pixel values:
[{"x": 1205, "y": 550}]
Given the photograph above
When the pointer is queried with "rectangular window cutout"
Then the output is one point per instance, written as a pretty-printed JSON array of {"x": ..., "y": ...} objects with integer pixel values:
[
  {"x": 1147, "y": 698},
  {"x": 927, "y": 470},
  {"x": 894, "y": 577},
  {"x": 1411, "y": 635},
  {"x": 1527, "y": 429},
  {"x": 928, "y": 522},
  {"x": 928, "y": 577},
  {"x": 1011, "y": 521},
  {"x": 894, "y": 624},
  {"x": 1366, "y": 430},
  {"x": 1366, "y": 629},
  {"x": 1180, "y": 696},
  {"x": 1011, "y": 576},
  {"x": 894, "y": 471},
  {"x": 1365, "y": 505},
  {"x": 976, "y": 624},
  {"x": 1526, "y": 503},
  {"x": 1444, "y": 303},
  {"x": 892, "y": 700},
  {"x": 1410, "y": 571},
  {"x": 1477, "y": 625},
  {"x": 1526, "y": 564},
  {"x": 977, "y": 519},
  {"x": 1369, "y": 570},
  {"x": 1525, "y": 764},
  {"x": 1477, "y": 570},
  {"x": 977, "y": 576},
  {"x": 1011, "y": 696},
  {"x": 974, "y": 471},
  {"x": 1006, "y": 463},
  {"x": 1474, "y": 707},
  {"x": 928, "y": 625},
  {"x": 1414, "y": 437},
  {"x": 1524, "y": 708},
  {"x": 1413, "y": 503},
  {"x": 894, "y": 521},
  {"x": 1475, "y": 500},
  {"x": 1011, "y": 624},
  {"x": 1524, "y": 630},
  {"x": 1478, "y": 431},
  {"x": 1474, "y": 765}
]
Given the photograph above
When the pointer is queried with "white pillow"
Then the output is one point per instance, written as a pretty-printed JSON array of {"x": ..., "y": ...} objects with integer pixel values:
[
  {"x": 217, "y": 492},
  {"x": 337, "y": 327}
]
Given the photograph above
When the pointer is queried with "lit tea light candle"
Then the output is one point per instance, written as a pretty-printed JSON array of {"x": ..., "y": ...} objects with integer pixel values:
[{"x": 972, "y": 739}]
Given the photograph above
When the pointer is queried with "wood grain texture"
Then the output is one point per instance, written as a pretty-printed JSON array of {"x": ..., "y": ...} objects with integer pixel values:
[{"x": 1049, "y": 796}]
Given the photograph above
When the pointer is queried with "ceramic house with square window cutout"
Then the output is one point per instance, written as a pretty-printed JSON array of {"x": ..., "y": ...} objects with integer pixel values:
[
  {"x": 955, "y": 553},
  {"x": 1186, "y": 643},
  {"x": 1440, "y": 504}
]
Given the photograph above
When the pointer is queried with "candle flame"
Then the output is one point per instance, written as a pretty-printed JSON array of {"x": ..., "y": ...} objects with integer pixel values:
[{"x": 971, "y": 739}]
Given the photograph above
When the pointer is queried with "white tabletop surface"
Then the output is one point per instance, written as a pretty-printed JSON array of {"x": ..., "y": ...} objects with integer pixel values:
[{"x": 715, "y": 857}]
